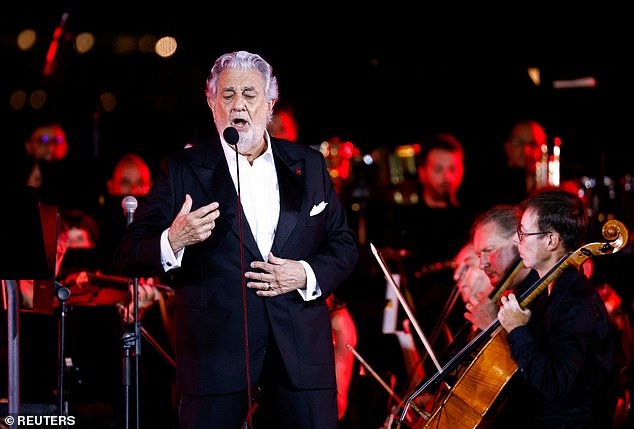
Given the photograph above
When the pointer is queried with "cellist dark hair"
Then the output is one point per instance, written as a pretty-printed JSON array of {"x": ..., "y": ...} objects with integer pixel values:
[{"x": 562, "y": 212}]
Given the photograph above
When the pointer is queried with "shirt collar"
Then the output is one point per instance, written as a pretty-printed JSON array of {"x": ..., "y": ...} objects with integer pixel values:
[{"x": 230, "y": 154}]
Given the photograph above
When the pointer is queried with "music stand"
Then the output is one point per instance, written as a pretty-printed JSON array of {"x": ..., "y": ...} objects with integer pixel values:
[{"x": 23, "y": 255}]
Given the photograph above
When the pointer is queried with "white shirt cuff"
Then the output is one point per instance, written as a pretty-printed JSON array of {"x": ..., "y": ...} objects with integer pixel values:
[
  {"x": 169, "y": 260},
  {"x": 312, "y": 290}
]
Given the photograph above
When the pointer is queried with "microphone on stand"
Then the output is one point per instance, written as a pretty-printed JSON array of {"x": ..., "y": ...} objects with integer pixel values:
[
  {"x": 131, "y": 339},
  {"x": 232, "y": 137},
  {"x": 129, "y": 205}
]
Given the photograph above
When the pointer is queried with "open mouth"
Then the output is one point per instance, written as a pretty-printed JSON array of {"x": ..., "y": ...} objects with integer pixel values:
[{"x": 239, "y": 123}]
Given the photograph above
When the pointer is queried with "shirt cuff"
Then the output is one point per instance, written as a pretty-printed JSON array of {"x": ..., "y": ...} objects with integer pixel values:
[
  {"x": 169, "y": 259},
  {"x": 312, "y": 290}
]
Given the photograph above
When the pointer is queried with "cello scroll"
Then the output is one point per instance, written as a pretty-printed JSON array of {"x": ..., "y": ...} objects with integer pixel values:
[{"x": 617, "y": 237}]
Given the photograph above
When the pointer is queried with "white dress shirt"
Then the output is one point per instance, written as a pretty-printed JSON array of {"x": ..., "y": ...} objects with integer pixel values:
[
  {"x": 259, "y": 194},
  {"x": 260, "y": 200}
]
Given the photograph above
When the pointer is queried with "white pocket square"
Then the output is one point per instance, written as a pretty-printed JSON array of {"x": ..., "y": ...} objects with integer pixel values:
[{"x": 318, "y": 208}]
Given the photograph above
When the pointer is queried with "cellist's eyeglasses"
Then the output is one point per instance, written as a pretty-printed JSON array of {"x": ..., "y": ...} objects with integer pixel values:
[{"x": 521, "y": 235}]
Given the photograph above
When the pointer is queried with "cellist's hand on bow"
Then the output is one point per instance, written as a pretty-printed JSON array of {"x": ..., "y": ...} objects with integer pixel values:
[{"x": 511, "y": 314}]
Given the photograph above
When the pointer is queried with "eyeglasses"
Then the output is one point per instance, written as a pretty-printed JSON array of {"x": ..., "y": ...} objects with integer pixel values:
[
  {"x": 521, "y": 235},
  {"x": 43, "y": 140}
]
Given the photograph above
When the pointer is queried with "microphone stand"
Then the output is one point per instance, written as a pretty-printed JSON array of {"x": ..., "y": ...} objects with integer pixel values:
[
  {"x": 232, "y": 137},
  {"x": 12, "y": 298},
  {"x": 131, "y": 339},
  {"x": 249, "y": 421},
  {"x": 62, "y": 293}
]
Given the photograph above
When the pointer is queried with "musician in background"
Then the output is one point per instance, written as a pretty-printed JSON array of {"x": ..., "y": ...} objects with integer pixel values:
[
  {"x": 482, "y": 265},
  {"x": 431, "y": 231},
  {"x": 561, "y": 343},
  {"x": 495, "y": 245},
  {"x": 283, "y": 124},
  {"x": 480, "y": 269},
  {"x": 83, "y": 239},
  {"x": 495, "y": 235},
  {"x": 471, "y": 281},
  {"x": 49, "y": 163},
  {"x": 77, "y": 231},
  {"x": 471, "y": 284},
  {"x": 130, "y": 175},
  {"x": 515, "y": 178},
  {"x": 496, "y": 257}
]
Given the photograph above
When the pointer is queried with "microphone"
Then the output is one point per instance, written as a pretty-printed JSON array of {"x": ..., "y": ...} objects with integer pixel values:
[
  {"x": 129, "y": 205},
  {"x": 231, "y": 136},
  {"x": 52, "y": 49}
]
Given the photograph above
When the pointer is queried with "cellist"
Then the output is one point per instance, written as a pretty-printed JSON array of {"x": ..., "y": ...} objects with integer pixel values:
[
  {"x": 496, "y": 254},
  {"x": 494, "y": 243},
  {"x": 494, "y": 235},
  {"x": 484, "y": 265},
  {"x": 562, "y": 344}
]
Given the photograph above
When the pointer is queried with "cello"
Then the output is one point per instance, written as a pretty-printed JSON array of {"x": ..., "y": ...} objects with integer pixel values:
[
  {"x": 427, "y": 403},
  {"x": 478, "y": 385}
]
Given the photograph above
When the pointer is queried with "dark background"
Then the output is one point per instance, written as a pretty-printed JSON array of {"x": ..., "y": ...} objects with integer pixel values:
[{"x": 378, "y": 77}]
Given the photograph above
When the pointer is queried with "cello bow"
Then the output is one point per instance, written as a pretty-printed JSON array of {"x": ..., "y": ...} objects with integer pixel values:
[
  {"x": 507, "y": 282},
  {"x": 401, "y": 298},
  {"x": 383, "y": 384}
]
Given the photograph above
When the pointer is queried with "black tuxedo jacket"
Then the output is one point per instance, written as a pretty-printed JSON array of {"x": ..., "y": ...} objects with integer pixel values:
[{"x": 210, "y": 344}]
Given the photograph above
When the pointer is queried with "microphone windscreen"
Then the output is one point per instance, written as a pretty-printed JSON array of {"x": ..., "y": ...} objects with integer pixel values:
[
  {"x": 231, "y": 135},
  {"x": 129, "y": 203}
]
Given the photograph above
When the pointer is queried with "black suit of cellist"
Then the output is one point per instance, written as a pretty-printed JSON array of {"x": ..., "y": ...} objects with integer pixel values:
[
  {"x": 562, "y": 344},
  {"x": 565, "y": 360}
]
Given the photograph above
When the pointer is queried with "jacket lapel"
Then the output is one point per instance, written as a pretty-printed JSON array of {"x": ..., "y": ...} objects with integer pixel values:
[
  {"x": 291, "y": 180},
  {"x": 215, "y": 180}
]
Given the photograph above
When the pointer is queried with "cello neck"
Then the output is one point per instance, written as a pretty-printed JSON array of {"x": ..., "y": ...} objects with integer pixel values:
[{"x": 509, "y": 279}]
